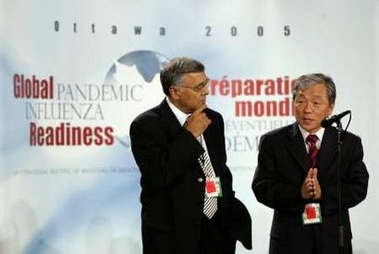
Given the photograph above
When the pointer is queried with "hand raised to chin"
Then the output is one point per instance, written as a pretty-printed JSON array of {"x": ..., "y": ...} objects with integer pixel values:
[{"x": 198, "y": 122}]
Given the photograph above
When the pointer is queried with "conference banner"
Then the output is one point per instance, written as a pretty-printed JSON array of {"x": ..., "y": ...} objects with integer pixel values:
[{"x": 74, "y": 74}]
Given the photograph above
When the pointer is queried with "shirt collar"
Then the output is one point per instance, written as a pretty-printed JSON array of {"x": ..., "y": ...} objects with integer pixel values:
[
  {"x": 319, "y": 133},
  {"x": 180, "y": 115}
]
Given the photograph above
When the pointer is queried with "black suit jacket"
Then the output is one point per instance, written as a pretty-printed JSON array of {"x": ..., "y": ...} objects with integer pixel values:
[
  {"x": 172, "y": 180},
  {"x": 282, "y": 167}
]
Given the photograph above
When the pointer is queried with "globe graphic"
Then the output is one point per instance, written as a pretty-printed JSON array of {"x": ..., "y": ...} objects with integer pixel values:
[
  {"x": 147, "y": 63},
  {"x": 138, "y": 72}
]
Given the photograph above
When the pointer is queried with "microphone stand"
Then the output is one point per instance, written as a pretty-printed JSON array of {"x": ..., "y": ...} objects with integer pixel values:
[{"x": 339, "y": 192}]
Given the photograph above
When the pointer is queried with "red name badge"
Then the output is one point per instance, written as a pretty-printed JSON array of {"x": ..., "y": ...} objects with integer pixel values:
[
  {"x": 213, "y": 187},
  {"x": 312, "y": 214},
  {"x": 210, "y": 186}
]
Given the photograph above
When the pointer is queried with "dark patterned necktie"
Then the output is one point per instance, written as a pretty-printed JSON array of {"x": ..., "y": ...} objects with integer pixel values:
[
  {"x": 210, "y": 204},
  {"x": 313, "y": 150}
]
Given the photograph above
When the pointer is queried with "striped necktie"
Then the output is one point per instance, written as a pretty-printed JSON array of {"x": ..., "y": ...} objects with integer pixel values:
[
  {"x": 313, "y": 150},
  {"x": 210, "y": 204}
]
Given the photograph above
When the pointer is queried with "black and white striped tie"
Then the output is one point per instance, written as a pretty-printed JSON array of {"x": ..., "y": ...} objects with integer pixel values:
[{"x": 210, "y": 204}]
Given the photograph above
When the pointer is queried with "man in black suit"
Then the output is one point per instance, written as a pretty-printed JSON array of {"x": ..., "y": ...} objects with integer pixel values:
[
  {"x": 301, "y": 187},
  {"x": 185, "y": 208}
]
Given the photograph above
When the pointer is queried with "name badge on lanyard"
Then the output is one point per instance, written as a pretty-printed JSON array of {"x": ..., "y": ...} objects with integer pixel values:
[
  {"x": 312, "y": 214},
  {"x": 213, "y": 187}
]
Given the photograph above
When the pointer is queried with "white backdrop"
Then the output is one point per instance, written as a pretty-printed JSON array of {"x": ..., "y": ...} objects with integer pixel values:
[{"x": 102, "y": 59}]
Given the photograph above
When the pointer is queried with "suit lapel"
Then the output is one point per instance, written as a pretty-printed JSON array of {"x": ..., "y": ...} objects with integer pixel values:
[
  {"x": 209, "y": 139},
  {"x": 170, "y": 123},
  {"x": 328, "y": 149},
  {"x": 296, "y": 147}
]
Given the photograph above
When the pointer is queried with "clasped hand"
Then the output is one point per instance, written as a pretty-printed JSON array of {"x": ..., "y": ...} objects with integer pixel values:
[{"x": 311, "y": 188}]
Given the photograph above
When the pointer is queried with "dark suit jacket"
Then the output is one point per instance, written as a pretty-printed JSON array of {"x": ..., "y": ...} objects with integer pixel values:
[
  {"x": 282, "y": 167},
  {"x": 172, "y": 180}
]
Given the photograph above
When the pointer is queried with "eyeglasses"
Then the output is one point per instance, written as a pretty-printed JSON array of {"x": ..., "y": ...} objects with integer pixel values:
[{"x": 199, "y": 87}]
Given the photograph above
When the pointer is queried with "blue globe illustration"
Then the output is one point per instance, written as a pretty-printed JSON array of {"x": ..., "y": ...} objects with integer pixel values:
[{"x": 147, "y": 63}]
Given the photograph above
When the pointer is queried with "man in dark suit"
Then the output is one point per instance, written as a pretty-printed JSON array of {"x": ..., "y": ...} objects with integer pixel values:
[
  {"x": 188, "y": 204},
  {"x": 301, "y": 187}
]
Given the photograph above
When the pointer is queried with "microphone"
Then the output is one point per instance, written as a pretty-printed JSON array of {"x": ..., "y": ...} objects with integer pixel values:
[{"x": 327, "y": 122}]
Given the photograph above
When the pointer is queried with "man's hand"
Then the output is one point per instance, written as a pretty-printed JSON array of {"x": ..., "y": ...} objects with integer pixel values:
[
  {"x": 198, "y": 122},
  {"x": 311, "y": 187}
]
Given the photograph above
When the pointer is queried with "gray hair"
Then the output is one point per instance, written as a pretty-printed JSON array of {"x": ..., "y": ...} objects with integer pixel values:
[
  {"x": 305, "y": 81},
  {"x": 172, "y": 73}
]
